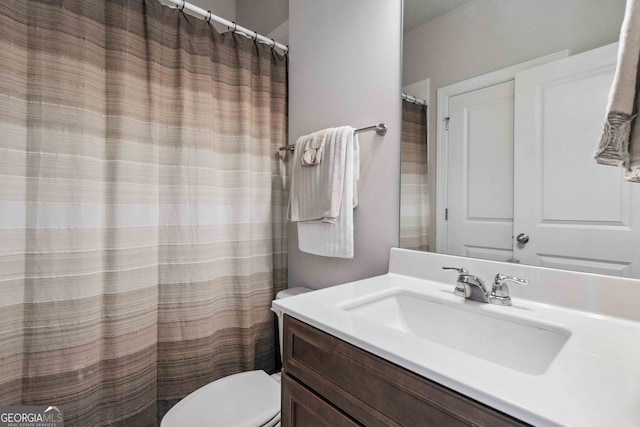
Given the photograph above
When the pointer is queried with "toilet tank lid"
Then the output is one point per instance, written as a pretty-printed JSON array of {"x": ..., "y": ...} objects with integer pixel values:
[{"x": 292, "y": 292}]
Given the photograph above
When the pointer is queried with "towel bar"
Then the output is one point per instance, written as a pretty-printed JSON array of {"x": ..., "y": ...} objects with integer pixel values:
[{"x": 380, "y": 128}]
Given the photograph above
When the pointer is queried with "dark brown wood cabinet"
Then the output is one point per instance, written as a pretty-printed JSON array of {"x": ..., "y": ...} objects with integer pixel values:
[
  {"x": 328, "y": 382},
  {"x": 305, "y": 408}
]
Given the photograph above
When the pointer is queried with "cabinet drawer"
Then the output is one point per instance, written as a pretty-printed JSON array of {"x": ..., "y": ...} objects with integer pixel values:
[
  {"x": 373, "y": 391},
  {"x": 303, "y": 408}
]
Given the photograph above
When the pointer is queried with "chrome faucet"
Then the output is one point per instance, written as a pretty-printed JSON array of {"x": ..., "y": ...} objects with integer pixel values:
[
  {"x": 472, "y": 287},
  {"x": 500, "y": 290},
  {"x": 469, "y": 286}
]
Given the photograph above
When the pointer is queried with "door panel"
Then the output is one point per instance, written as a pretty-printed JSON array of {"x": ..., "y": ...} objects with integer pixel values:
[
  {"x": 480, "y": 173},
  {"x": 578, "y": 214}
]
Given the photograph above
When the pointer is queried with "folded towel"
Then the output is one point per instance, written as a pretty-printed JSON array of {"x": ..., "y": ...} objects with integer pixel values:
[
  {"x": 313, "y": 147},
  {"x": 620, "y": 142},
  {"x": 356, "y": 167},
  {"x": 316, "y": 192},
  {"x": 336, "y": 240}
]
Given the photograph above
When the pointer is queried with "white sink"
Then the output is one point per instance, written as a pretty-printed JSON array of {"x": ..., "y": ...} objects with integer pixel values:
[{"x": 524, "y": 345}]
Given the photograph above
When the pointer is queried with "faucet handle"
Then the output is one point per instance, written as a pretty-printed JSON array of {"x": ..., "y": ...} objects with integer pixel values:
[
  {"x": 503, "y": 278},
  {"x": 460, "y": 270},
  {"x": 500, "y": 290},
  {"x": 459, "y": 290}
]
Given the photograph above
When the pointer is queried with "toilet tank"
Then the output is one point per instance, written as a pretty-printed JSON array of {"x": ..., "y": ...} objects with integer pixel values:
[{"x": 290, "y": 292}]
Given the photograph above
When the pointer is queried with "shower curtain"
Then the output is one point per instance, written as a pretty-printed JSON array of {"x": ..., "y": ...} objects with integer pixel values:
[
  {"x": 141, "y": 206},
  {"x": 414, "y": 192}
]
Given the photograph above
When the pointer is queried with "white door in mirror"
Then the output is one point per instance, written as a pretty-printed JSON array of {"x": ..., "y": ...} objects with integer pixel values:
[
  {"x": 577, "y": 214},
  {"x": 480, "y": 173}
]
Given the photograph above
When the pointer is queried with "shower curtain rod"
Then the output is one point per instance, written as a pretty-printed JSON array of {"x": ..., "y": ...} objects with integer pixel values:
[
  {"x": 380, "y": 128},
  {"x": 208, "y": 16},
  {"x": 413, "y": 99}
]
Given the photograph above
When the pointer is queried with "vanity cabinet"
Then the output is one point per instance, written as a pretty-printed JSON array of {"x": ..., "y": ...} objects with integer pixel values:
[{"x": 328, "y": 382}]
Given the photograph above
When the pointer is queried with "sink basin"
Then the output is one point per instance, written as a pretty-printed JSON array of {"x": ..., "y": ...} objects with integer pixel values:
[{"x": 521, "y": 344}]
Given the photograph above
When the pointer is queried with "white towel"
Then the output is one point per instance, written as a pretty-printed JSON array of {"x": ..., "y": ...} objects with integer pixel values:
[
  {"x": 336, "y": 239},
  {"x": 620, "y": 142},
  {"x": 316, "y": 192}
]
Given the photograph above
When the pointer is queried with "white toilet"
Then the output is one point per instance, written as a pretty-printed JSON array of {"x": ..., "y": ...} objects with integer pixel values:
[{"x": 247, "y": 399}]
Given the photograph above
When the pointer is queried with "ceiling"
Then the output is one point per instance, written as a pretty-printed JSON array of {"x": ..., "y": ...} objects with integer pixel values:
[{"x": 417, "y": 12}]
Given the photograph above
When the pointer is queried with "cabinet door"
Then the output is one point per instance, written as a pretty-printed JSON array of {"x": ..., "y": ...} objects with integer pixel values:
[{"x": 303, "y": 408}]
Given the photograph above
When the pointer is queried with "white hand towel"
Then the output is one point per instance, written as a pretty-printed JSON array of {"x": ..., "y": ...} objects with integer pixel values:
[
  {"x": 336, "y": 240},
  {"x": 316, "y": 192},
  {"x": 620, "y": 142},
  {"x": 313, "y": 148}
]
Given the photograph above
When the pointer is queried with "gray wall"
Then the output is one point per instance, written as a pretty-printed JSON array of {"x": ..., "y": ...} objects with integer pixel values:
[
  {"x": 345, "y": 60},
  {"x": 262, "y": 16},
  {"x": 488, "y": 35},
  {"x": 223, "y": 8}
]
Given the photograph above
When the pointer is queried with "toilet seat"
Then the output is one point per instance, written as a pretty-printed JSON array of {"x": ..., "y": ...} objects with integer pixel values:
[{"x": 247, "y": 399}]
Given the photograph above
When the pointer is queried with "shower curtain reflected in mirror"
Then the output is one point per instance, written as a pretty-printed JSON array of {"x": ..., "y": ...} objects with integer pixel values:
[
  {"x": 414, "y": 192},
  {"x": 141, "y": 207}
]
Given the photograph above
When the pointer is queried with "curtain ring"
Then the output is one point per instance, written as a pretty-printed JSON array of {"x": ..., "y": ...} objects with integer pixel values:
[
  {"x": 234, "y": 26},
  {"x": 274, "y": 43},
  {"x": 208, "y": 18},
  {"x": 255, "y": 36},
  {"x": 183, "y": 4}
]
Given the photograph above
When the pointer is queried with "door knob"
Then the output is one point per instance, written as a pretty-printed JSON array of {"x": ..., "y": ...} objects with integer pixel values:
[{"x": 523, "y": 238}]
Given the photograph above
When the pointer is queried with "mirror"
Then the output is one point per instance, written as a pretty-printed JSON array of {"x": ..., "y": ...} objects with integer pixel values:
[{"x": 516, "y": 94}]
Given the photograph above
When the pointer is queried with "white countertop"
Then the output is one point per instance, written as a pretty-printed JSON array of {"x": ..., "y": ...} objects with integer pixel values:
[{"x": 593, "y": 381}]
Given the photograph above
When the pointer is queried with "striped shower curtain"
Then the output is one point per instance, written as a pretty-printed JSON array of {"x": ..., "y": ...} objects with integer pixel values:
[
  {"x": 414, "y": 192},
  {"x": 141, "y": 206}
]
